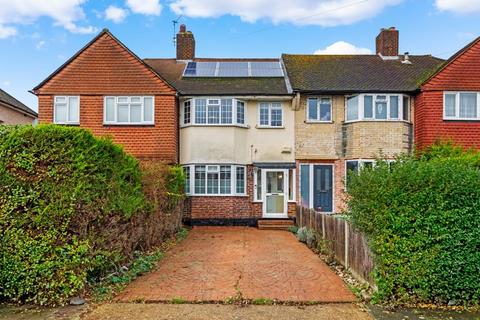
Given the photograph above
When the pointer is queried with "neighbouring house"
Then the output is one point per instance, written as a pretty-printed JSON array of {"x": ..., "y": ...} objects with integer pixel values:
[
  {"x": 448, "y": 106},
  {"x": 350, "y": 109},
  {"x": 106, "y": 88},
  {"x": 13, "y": 111},
  {"x": 236, "y": 135}
]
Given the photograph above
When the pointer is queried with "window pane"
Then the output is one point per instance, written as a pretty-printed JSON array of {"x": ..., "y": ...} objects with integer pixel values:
[
  {"x": 226, "y": 110},
  {"x": 186, "y": 171},
  {"x": 73, "y": 109},
  {"x": 264, "y": 114},
  {"x": 122, "y": 99},
  {"x": 291, "y": 183},
  {"x": 352, "y": 108},
  {"x": 135, "y": 100},
  {"x": 213, "y": 114},
  {"x": 394, "y": 107},
  {"x": 240, "y": 187},
  {"x": 186, "y": 112},
  {"x": 325, "y": 109},
  {"x": 468, "y": 105},
  {"x": 312, "y": 109},
  {"x": 258, "y": 183},
  {"x": 381, "y": 107},
  {"x": 110, "y": 109},
  {"x": 199, "y": 179},
  {"x": 225, "y": 180},
  {"x": 406, "y": 108},
  {"x": 305, "y": 185},
  {"x": 352, "y": 168},
  {"x": 276, "y": 115},
  {"x": 368, "y": 107},
  {"x": 450, "y": 108},
  {"x": 240, "y": 112},
  {"x": 136, "y": 113},
  {"x": 200, "y": 111},
  {"x": 60, "y": 113},
  {"x": 148, "y": 109},
  {"x": 122, "y": 112},
  {"x": 212, "y": 183}
]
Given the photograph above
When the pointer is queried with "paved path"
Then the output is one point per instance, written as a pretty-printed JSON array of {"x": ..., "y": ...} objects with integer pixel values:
[{"x": 221, "y": 263}]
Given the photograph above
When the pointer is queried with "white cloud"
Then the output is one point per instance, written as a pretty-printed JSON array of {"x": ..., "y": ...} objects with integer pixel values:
[
  {"x": 6, "y": 83},
  {"x": 65, "y": 13},
  {"x": 342, "y": 47},
  {"x": 458, "y": 6},
  {"x": 7, "y": 32},
  {"x": 148, "y": 7},
  {"x": 299, "y": 12},
  {"x": 40, "y": 44},
  {"x": 115, "y": 14}
]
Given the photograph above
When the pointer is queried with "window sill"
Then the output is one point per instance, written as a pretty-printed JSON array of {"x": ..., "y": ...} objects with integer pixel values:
[
  {"x": 269, "y": 127},
  {"x": 317, "y": 122},
  {"x": 218, "y": 195},
  {"x": 129, "y": 124},
  {"x": 215, "y": 125},
  {"x": 376, "y": 120},
  {"x": 461, "y": 120},
  {"x": 67, "y": 124}
]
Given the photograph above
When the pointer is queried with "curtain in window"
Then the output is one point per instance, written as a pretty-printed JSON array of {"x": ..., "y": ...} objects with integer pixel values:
[
  {"x": 352, "y": 108},
  {"x": 468, "y": 105}
]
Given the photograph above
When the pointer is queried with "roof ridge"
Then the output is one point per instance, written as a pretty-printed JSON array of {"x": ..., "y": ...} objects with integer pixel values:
[{"x": 24, "y": 106}]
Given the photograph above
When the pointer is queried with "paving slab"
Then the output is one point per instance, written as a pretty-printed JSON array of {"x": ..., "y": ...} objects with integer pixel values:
[{"x": 222, "y": 263}]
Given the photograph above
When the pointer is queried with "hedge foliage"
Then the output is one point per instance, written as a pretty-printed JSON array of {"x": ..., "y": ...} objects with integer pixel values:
[
  {"x": 71, "y": 207},
  {"x": 422, "y": 218}
]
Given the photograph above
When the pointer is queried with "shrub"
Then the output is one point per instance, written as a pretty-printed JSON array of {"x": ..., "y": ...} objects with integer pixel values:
[
  {"x": 421, "y": 216},
  {"x": 71, "y": 207}
]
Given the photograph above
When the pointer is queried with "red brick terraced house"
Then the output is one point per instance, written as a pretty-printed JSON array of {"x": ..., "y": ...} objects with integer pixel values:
[
  {"x": 106, "y": 88},
  {"x": 448, "y": 106}
]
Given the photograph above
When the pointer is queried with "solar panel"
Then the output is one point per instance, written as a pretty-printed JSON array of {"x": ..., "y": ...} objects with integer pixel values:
[{"x": 233, "y": 69}]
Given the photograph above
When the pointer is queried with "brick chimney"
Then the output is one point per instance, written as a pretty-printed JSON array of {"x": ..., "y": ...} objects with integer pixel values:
[
  {"x": 387, "y": 42},
  {"x": 185, "y": 44}
]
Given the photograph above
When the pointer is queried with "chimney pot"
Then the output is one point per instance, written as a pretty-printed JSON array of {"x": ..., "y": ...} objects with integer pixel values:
[
  {"x": 185, "y": 44},
  {"x": 387, "y": 42}
]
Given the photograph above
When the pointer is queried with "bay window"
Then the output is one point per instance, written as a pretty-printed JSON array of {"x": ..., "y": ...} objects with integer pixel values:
[
  {"x": 215, "y": 180},
  {"x": 380, "y": 107},
  {"x": 213, "y": 111},
  {"x": 319, "y": 109},
  {"x": 461, "y": 106},
  {"x": 66, "y": 110},
  {"x": 128, "y": 110}
]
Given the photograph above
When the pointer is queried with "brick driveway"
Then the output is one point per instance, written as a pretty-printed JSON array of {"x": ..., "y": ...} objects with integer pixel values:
[{"x": 218, "y": 263}]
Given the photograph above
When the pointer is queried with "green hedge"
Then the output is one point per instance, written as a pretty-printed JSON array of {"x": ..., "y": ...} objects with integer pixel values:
[
  {"x": 71, "y": 207},
  {"x": 422, "y": 218}
]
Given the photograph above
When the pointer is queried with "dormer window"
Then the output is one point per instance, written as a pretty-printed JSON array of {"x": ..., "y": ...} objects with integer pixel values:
[{"x": 213, "y": 111}]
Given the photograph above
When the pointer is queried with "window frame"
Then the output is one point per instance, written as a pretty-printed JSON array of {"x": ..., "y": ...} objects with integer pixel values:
[
  {"x": 233, "y": 180},
  {"x": 361, "y": 107},
  {"x": 270, "y": 107},
  {"x": 193, "y": 115},
  {"x": 319, "y": 99},
  {"x": 361, "y": 165},
  {"x": 457, "y": 106},
  {"x": 311, "y": 183},
  {"x": 257, "y": 173},
  {"x": 129, "y": 123},
  {"x": 67, "y": 103}
]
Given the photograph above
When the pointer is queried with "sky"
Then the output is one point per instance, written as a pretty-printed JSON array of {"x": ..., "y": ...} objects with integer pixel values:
[{"x": 37, "y": 36}]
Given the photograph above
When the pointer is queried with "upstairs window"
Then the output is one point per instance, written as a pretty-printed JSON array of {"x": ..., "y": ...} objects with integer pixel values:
[
  {"x": 128, "y": 110},
  {"x": 461, "y": 106},
  {"x": 380, "y": 107},
  {"x": 203, "y": 111},
  {"x": 66, "y": 110},
  {"x": 270, "y": 114},
  {"x": 319, "y": 109}
]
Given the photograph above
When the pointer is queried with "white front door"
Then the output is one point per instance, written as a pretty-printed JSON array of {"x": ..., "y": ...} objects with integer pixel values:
[{"x": 274, "y": 186}]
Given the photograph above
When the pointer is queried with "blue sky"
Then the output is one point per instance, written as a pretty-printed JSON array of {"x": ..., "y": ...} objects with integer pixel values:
[{"x": 37, "y": 36}]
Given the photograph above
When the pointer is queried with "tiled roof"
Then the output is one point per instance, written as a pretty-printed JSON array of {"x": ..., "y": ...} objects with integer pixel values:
[
  {"x": 172, "y": 72},
  {"x": 357, "y": 73},
  {"x": 15, "y": 104}
]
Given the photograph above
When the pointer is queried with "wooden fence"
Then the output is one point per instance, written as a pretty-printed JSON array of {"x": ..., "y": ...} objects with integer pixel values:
[{"x": 349, "y": 247}]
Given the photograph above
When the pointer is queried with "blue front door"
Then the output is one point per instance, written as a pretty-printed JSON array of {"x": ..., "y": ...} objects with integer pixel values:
[{"x": 323, "y": 188}]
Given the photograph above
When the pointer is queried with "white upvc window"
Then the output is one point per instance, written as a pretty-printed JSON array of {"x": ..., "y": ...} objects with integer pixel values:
[
  {"x": 461, "y": 105},
  {"x": 319, "y": 109},
  {"x": 215, "y": 180},
  {"x": 129, "y": 110},
  {"x": 213, "y": 111},
  {"x": 270, "y": 115},
  {"x": 66, "y": 110},
  {"x": 377, "y": 107}
]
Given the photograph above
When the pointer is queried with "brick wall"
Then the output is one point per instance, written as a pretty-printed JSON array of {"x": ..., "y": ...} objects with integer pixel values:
[
  {"x": 106, "y": 67},
  {"x": 460, "y": 75}
]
